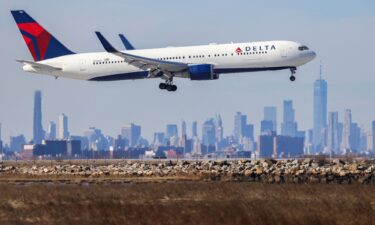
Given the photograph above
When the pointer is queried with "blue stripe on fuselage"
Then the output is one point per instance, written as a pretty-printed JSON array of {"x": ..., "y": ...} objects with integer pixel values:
[{"x": 144, "y": 74}]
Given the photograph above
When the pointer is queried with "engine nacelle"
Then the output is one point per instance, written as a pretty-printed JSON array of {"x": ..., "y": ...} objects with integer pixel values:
[{"x": 202, "y": 72}]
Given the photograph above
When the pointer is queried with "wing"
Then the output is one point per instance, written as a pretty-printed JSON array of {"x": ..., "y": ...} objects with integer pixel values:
[
  {"x": 126, "y": 42},
  {"x": 39, "y": 66},
  {"x": 154, "y": 66}
]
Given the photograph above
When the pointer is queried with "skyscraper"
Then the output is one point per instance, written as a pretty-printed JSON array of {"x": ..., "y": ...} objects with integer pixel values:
[
  {"x": 183, "y": 128},
  {"x": 63, "y": 127},
  {"x": 270, "y": 114},
  {"x": 194, "y": 129},
  {"x": 320, "y": 110},
  {"x": 240, "y": 128},
  {"x": 289, "y": 126},
  {"x": 172, "y": 131},
  {"x": 52, "y": 131},
  {"x": 346, "y": 130},
  {"x": 237, "y": 126},
  {"x": 355, "y": 137},
  {"x": 132, "y": 133},
  {"x": 333, "y": 132},
  {"x": 38, "y": 133},
  {"x": 208, "y": 132},
  {"x": 373, "y": 136},
  {"x": 219, "y": 128},
  {"x": 266, "y": 127}
]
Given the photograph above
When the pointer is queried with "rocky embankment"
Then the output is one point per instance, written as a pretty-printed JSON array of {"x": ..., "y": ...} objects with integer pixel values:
[{"x": 267, "y": 171}]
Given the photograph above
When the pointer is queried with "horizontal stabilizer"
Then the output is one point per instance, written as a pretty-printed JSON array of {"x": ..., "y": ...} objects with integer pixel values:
[{"x": 39, "y": 66}]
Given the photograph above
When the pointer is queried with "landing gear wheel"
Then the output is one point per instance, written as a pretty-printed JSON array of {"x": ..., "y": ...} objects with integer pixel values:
[
  {"x": 293, "y": 71},
  {"x": 163, "y": 86},
  {"x": 172, "y": 88}
]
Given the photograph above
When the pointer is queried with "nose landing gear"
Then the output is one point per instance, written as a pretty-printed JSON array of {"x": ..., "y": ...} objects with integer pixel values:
[{"x": 292, "y": 76}]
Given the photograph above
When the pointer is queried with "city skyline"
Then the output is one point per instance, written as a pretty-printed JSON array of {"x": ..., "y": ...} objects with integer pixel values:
[
  {"x": 111, "y": 105},
  {"x": 340, "y": 137}
]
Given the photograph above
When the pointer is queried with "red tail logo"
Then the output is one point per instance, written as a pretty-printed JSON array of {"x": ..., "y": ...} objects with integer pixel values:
[{"x": 238, "y": 50}]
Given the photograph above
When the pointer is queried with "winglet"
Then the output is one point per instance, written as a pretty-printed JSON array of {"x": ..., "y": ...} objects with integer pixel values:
[
  {"x": 126, "y": 42},
  {"x": 107, "y": 46}
]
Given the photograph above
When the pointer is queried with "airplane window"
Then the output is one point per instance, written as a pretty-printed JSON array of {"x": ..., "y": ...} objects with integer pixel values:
[{"x": 303, "y": 48}]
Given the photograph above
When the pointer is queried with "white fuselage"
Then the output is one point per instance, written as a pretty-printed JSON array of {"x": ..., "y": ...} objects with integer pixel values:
[{"x": 226, "y": 58}]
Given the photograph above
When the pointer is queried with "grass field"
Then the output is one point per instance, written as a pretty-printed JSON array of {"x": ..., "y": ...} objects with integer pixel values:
[{"x": 185, "y": 202}]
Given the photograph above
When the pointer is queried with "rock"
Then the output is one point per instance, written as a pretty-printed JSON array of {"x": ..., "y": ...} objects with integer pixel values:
[
  {"x": 248, "y": 173},
  {"x": 259, "y": 170},
  {"x": 338, "y": 162},
  {"x": 353, "y": 167}
]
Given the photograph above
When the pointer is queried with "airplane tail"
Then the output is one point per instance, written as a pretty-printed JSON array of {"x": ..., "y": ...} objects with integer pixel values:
[{"x": 41, "y": 43}]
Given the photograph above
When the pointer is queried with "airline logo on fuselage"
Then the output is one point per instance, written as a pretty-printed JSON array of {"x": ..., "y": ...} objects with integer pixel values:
[{"x": 259, "y": 48}]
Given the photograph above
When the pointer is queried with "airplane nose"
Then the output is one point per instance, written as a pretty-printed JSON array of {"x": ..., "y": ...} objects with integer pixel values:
[{"x": 313, "y": 54}]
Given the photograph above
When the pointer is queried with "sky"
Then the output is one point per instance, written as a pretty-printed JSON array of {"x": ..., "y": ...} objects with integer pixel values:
[{"x": 340, "y": 31}]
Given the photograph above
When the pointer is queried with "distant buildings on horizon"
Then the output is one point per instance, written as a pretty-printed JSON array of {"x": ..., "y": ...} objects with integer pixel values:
[{"x": 327, "y": 136}]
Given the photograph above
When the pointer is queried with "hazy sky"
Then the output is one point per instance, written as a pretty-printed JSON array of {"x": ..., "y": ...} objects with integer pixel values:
[{"x": 341, "y": 32}]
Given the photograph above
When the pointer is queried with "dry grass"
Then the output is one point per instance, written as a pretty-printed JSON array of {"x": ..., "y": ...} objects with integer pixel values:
[{"x": 186, "y": 202}]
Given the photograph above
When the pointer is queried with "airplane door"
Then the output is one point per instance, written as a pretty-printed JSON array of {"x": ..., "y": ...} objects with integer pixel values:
[{"x": 82, "y": 65}]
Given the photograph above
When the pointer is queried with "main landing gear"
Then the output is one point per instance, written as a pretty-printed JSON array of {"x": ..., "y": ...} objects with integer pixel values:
[
  {"x": 293, "y": 71},
  {"x": 168, "y": 85}
]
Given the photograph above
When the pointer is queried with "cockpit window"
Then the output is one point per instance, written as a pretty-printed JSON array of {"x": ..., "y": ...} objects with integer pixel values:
[{"x": 303, "y": 48}]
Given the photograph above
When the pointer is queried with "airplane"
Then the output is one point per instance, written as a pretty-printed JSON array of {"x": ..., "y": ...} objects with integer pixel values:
[{"x": 197, "y": 63}]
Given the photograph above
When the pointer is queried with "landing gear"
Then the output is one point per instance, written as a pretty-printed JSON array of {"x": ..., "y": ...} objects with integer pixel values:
[
  {"x": 293, "y": 71},
  {"x": 169, "y": 86}
]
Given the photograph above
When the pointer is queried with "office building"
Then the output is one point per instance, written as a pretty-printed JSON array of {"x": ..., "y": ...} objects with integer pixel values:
[
  {"x": 219, "y": 128},
  {"x": 209, "y": 132},
  {"x": 183, "y": 128},
  {"x": 38, "y": 132},
  {"x": 51, "y": 131},
  {"x": 266, "y": 127},
  {"x": 289, "y": 126},
  {"x": 248, "y": 131},
  {"x": 16, "y": 143},
  {"x": 287, "y": 147},
  {"x": 355, "y": 137},
  {"x": 266, "y": 146},
  {"x": 63, "y": 132},
  {"x": 54, "y": 148},
  {"x": 320, "y": 111},
  {"x": 172, "y": 131},
  {"x": 96, "y": 139},
  {"x": 333, "y": 143},
  {"x": 346, "y": 131},
  {"x": 238, "y": 124},
  {"x": 132, "y": 133},
  {"x": 270, "y": 114},
  {"x": 194, "y": 129},
  {"x": 159, "y": 138}
]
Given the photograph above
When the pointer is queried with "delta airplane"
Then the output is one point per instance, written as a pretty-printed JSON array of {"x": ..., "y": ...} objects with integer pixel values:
[{"x": 204, "y": 62}]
